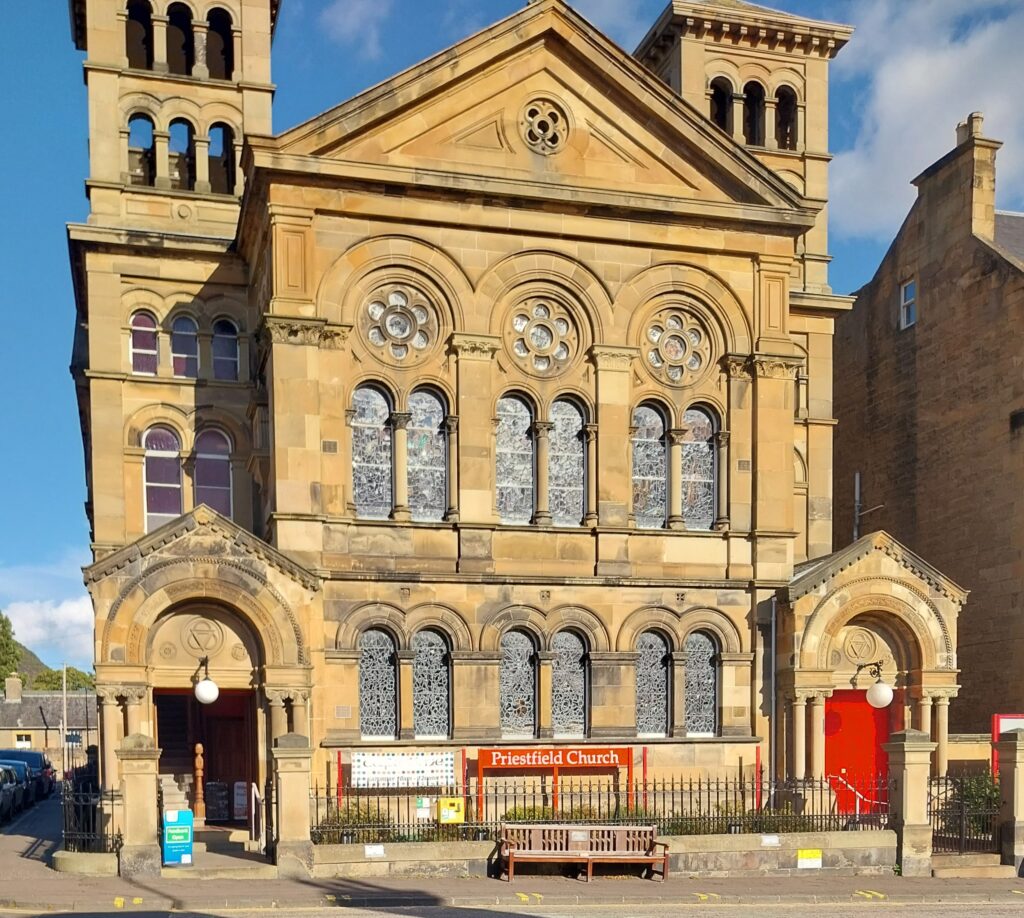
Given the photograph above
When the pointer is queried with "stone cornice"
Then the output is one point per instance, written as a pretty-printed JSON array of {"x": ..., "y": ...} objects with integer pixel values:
[
  {"x": 480, "y": 347},
  {"x": 772, "y": 367},
  {"x": 612, "y": 357},
  {"x": 202, "y": 518}
]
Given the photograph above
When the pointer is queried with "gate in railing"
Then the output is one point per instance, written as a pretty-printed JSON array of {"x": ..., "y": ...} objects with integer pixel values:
[{"x": 964, "y": 812}]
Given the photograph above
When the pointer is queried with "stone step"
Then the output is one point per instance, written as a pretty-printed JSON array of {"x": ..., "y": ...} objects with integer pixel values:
[
  {"x": 998, "y": 872},
  {"x": 975, "y": 859},
  {"x": 261, "y": 872}
]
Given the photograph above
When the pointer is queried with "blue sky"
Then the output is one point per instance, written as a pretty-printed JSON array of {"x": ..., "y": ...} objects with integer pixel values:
[{"x": 912, "y": 71}]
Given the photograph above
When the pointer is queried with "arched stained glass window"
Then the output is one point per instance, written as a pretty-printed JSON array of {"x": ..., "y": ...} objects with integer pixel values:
[
  {"x": 652, "y": 684},
  {"x": 514, "y": 457},
  {"x": 378, "y": 685},
  {"x": 162, "y": 486},
  {"x": 144, "y": 350},
  {"x": 699, "y": 491},
  {"x": 650, "y": 468},
  {"x": 431, "y": 685},
  {"x": 372, "y": 490},
  {"x": 428, "y": 457},
  {"x": 569, "y": 684},
  {"x": 185, "y": 347},
  {"x": 567, "y": 465},
  {"x": 225, "y": 350},
  {"x": 213, "y": 471},
  {"x": 518, "y": 684},
  {"x": 701, "y": 662}
]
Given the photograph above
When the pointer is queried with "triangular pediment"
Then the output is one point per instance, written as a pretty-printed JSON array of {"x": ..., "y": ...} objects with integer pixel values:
[
  {"x": 811, "y": 575},
  {"x": 199, "y": 533},
  {"x": 465, "y": 113}
]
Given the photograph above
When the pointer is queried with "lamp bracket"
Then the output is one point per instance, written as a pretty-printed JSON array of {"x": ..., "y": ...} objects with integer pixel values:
[{"x": 874, "y": 669}]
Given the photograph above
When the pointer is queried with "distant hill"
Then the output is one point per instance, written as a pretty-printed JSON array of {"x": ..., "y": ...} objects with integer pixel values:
[{"x": 30, "y": 664}]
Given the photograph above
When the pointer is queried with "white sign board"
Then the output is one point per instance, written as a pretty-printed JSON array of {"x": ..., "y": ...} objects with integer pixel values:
[{"x": 403, "y": 769}]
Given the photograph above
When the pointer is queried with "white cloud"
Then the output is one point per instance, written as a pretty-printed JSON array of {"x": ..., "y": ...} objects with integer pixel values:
[
  {"x": 49, "y": 608},
  {"x": 357, "y": 24},
  {"x": 57, "y": 632},
  {"x": 923, "y": 67},
  {"x": 624, "y": 21}
]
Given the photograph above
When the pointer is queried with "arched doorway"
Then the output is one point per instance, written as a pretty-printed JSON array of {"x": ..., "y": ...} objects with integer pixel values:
[{"x": 182, "y": 644}]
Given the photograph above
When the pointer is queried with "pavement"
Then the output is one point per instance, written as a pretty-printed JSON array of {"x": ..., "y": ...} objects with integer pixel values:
[{"x": 29, "y": 886}]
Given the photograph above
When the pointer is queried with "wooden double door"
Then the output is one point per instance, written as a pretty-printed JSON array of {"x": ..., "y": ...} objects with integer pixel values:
[{"x": 227, "y": 731}]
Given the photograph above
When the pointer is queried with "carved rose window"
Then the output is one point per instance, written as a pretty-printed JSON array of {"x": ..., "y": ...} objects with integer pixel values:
[
  {"x": 677, "y": 347},
  {"x": 544, "y": 337},
  {"x": 401, "y": 323},
  {"x": 544, "y": 126}
]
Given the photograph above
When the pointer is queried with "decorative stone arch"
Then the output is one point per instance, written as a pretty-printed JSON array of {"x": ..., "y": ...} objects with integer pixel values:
[
  {"x": 372, "y": 615},
  {"x": 541, "y": 267},
  {"x": 439, "y": 618},
  {"x": 716, "y": 623},
  {"x": 376, "y": 381},
  {"x": 178, "y": 108},
  {"x": 648, "y": 290},
  {"x": 140, "y": 103},
  {"x": 649, "y": 618},
  {"x": 876, "y": 594},
  {"x": 799, "y": 468},
  {"x": 578, "y": 618},
  {"x": 207, "y": 416},
  {"x": 178, "y": 582},
  {"x": 721, "y": 68},
  {"x": 159, "y": 414},
  {"x": 523, "y": 390},
  {"x": 351, "y": 277},
  {"x": 226, "y": 307},
  {"x": 573, "y": 394},
  {"x": 711, "y": 405},
  {"x": 433, "y": 383},
  {"x": 165, "y": 5},
  {"x": 220, "y": 113},
  {"x": 789, "y": 79},
  {"x": 526, "y": 618},
  {"x": 142, "y": 299}
]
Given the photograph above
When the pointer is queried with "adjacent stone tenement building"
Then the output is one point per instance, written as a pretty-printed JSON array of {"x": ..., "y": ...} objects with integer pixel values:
[
  {"x": 929, "y": 401},
  {"x": 491, "y": 407}
]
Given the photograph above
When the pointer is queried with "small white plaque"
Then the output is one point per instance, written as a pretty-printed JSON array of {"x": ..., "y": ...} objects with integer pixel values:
[
  {"x": 579, "y": 836},
  {"x": 373, "y": 851},
  {"x": 770, "y": 841}
]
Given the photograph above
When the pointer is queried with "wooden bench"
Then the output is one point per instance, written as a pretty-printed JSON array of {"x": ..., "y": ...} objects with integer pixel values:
[{"x": 569, "y": 844}]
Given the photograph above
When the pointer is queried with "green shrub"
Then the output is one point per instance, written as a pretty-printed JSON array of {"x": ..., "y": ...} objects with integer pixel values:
[{"x": 548, "y": 814}]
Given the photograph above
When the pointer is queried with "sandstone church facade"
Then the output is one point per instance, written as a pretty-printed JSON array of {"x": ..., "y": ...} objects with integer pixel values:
[{"x": 492, "y": 407}]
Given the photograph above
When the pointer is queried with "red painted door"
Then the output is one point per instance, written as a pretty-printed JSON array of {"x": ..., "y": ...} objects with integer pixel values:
[{"x": 854, "y": 734}]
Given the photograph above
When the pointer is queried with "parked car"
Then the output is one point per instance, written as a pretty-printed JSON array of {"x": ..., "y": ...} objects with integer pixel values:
[
  {"x": 45, "y": 775},
  {"x": 11, "y": 793},
  {"x": 26, "y": 778}
]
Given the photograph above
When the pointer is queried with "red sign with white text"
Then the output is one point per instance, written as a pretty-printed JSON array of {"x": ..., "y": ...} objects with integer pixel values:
[{"x": 569, "y": 757}]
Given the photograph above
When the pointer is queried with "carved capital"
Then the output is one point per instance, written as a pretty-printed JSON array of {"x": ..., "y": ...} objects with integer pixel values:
[
  {"x": 677, "y": 436},
  {"x": 400, "y": 419},
  {"x": 941, "y": 696},
  {"x": 304, "y": 332},
  {"x": 609, "y": 357},
  {"x": 451, "y": 423},
  {"x": 335, "y": 337},
  {"x": 775, "y": 367},
  {"x": 542, "y": 428},
  {"x": 736, "y": 367},
  {"x": 475, "y": 347},
  {"x": 722, "y": 438},
  {"x": 590, "y": 432},
  {"x": 109, "y": 694},
  {"x": 276, "y": 697},
  {"x": 134, "y": 694}
]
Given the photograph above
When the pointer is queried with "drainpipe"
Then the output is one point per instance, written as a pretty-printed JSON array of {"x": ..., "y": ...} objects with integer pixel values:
[{"x": 774, "y": 723}]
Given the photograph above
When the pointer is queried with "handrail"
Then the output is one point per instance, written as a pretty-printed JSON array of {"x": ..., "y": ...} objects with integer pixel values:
[{"x": 858, "y": 796}]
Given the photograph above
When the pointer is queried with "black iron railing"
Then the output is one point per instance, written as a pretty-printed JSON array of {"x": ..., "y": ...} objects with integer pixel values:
[
  {"x": 86, "y": 816},
  {"x": 698, "y": 806},
  {"x": 964, "y": 811}
]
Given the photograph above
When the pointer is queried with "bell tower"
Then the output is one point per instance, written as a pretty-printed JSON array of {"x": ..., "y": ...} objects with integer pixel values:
[{"x": 173, "y": 86}]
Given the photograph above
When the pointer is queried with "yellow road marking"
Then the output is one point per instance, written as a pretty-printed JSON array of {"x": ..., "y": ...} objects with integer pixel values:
[
  {"x": 869, "y": 894},
  {"x": 538, "y": 897},
  {"x": 705, "y": 896},
  {"x": 137, "y": 900},
  {"x": 1019, "y": 892},
  {"x": 119, "y": 902},
  {"x": 522, "y": 897}
]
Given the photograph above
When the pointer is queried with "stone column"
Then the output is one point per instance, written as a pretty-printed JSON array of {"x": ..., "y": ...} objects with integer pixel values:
[
  {"x": 545, "y": 659},
  {"x": 675, "y": 478},
  {"x": 799, "y": 720},
  {"x": 1011, "y": 788},
  {"x": 737, "y": 118},
  {"x": 201, "y": 147},
  {"x": 677, "y": 713},
  {"x": 293, "y": 851},
  {"x": 140, "y": 853},
  {"x": 722, "y": 480},
  {"x": 134, "y": 696},
  {"x": 542, "y": 437},
  {"x": 278, "y": 715},
  {"x": 110, "y": 729},
  {"x": 910, "y": 753},
  {"x": 399, "y": 427},
  {"x": 590, "y": 433},
  {"x": 770, "y": 106},
  {"x": 451, "y": 426},
  {"x": 799, "y": 128},
  {"x": 818, "y": 736},
  {"x": 236, "y": 44},
  {"x": 300, "y": 712},
  {"x": 350, "y": 435},
  {"x": 923, "y": 715},
  {"x": 941, "y": 734},
  {"x": 161, "y": 143},
  {"x": 126, "y": 166},
  {"x": 406, "y": 721},
  {"x": 200, "y": 28},
  {"x": 239, "y": 177},
  {"x": 160, "y": 43}
]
